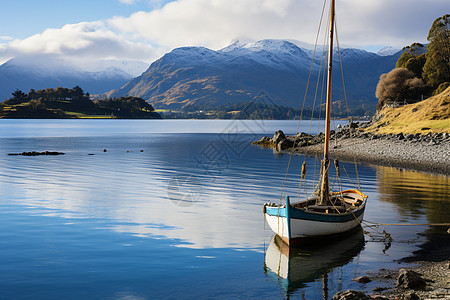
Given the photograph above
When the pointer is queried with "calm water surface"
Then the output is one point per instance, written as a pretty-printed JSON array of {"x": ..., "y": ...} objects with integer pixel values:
[{"x": 173, "y": 209}]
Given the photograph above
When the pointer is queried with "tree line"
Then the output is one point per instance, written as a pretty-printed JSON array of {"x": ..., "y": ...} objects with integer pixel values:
[
  {"x": 60, "y": 102},
  {"x": 421, "y": 71},
  {"x": 257, "y": 111},
  {"x": 47, "y": 95}
]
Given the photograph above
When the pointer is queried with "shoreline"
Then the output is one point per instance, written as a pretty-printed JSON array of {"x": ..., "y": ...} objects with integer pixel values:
[
  {"x": 435, "y": 274},
  {"x": 423, "y": 157},
  {"x": 425, "y": 153},
  {"x": 431, "y": 263}
]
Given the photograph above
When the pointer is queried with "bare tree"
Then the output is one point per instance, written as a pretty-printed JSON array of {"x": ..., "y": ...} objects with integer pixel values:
[{"x": 399, "y": 84}]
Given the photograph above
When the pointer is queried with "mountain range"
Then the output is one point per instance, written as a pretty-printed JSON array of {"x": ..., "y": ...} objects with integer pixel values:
[
  {"x": 198, "y": 77},
  {"x": 242, "y": 72},
  {"x": 41, "y": 72}
]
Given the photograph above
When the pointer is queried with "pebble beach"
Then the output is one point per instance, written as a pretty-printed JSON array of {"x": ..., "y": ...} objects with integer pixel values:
[
  {"x": 427, "y": 156},
  {"x": 426, "y": 153}
]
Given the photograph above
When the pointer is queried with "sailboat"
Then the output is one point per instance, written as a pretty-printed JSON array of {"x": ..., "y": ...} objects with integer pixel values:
[{"x": 325, "y": 213}]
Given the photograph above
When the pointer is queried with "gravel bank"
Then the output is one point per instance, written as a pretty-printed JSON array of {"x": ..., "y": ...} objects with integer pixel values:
[
  {"x": 435, "y": 274},
  {"x": 419, "y": 156},
  {"x": 428, "y": 153},
  {"x": 432, "y": 263}
]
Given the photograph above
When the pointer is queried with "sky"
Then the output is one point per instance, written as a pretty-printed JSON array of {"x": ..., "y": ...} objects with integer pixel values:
[{"x": 146, "y": 29}]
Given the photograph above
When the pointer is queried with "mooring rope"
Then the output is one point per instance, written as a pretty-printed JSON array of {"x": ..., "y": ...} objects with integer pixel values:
[{"x": 405, "y": 224}]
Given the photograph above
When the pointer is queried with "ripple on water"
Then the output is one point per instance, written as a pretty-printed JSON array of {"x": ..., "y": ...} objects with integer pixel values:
[{"x": 163, "y": 220}]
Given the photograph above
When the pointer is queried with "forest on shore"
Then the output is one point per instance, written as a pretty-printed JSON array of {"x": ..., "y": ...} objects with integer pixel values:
[{"x": 65, "y": 103}]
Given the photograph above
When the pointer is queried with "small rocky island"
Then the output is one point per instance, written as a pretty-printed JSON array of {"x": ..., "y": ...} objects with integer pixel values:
[{"x": 36, "y": 153}]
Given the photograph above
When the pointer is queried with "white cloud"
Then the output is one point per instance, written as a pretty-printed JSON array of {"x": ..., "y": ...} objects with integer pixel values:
[
  {"x": 87, "y": 39},
  {"x": 205, "y": 22},
  {"x": 396, "y": 23},
  {"x": 129, "y": 2},
  {"x": 215, "y": 23}
]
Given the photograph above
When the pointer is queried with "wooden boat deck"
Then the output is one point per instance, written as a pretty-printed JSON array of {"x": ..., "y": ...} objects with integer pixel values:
[{"x": 340, "y": 202}]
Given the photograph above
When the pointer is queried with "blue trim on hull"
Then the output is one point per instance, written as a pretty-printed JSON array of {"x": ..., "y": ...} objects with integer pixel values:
[
  {"x": 273, "y": 211},
  {"x": 296, "y": 213}
]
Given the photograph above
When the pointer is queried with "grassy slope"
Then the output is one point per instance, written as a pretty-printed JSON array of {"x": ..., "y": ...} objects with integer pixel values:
[{"x": 430, "y": 115}]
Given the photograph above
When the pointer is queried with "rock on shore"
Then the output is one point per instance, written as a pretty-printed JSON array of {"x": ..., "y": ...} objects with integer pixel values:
[
  {"x": 428, "y": 280},
  {"x": 422, "y": 152}
]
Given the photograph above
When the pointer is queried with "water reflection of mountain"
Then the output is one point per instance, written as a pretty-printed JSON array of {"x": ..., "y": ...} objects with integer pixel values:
[
  {"x": 295, "y": 266},
  {"x": 416, "y": 194}
]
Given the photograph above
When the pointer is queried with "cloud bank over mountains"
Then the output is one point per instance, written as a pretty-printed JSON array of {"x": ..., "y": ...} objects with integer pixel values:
[
  {"x": 147, "y": 35},
  {"x": 86, "y": 39}
]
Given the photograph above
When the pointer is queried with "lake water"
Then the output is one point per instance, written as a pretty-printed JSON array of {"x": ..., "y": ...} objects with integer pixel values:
[{"x": 173, "y": 209}]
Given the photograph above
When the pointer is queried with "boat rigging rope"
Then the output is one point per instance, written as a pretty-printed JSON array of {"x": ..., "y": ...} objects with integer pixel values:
[
  {"x": 313, "y": 108},
  {"x": 338, "y": 173},
  {"x": 349, "y": 178},
  {"x": 312, "y": 115},
  {"x": 303, "y": 105},
  {"x": 321, "y": 66},
  {"x": 346, "y": 102},
  {"x": 387, "y": 237},
  {"x": 357, "y": 176},
  {"x": 342, "y": 69},
  {"x": 324, "y": 73},
  {"x": 302, "y": 176},
  {"x": 314, "y": 176}
]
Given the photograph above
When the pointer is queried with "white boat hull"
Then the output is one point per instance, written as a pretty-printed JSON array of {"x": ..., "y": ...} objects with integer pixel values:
[
  {"x": 306, "y": 220},
  {"x": 308, "y": 228}
]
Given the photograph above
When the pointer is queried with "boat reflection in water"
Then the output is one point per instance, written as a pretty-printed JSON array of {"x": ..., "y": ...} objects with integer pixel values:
[{"x": 296, "y": 265}]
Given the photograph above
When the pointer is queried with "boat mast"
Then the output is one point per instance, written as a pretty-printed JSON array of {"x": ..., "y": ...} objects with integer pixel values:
[{"x": 324, "y": 190}]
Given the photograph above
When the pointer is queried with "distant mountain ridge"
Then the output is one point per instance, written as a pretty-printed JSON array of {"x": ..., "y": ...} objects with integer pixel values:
[
  {"x": 242, "y": 71},
  {"x": 386, "y": 51},
  {"x": 41, "y": 72}
]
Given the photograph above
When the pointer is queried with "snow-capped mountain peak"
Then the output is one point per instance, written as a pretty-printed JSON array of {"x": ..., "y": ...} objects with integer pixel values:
[
  {"x": 236, "y": 44},
  {"x": 387, "y": 51},
  {"x": 352, "y": 53},
  {"x": 130, "y": 67},
  {"x": 44, "y": 64},
  {"x": 268, "y": 45}
]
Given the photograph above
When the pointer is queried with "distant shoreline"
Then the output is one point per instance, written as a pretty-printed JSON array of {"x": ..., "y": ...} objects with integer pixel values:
[{"x": 83, "y": 118}]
